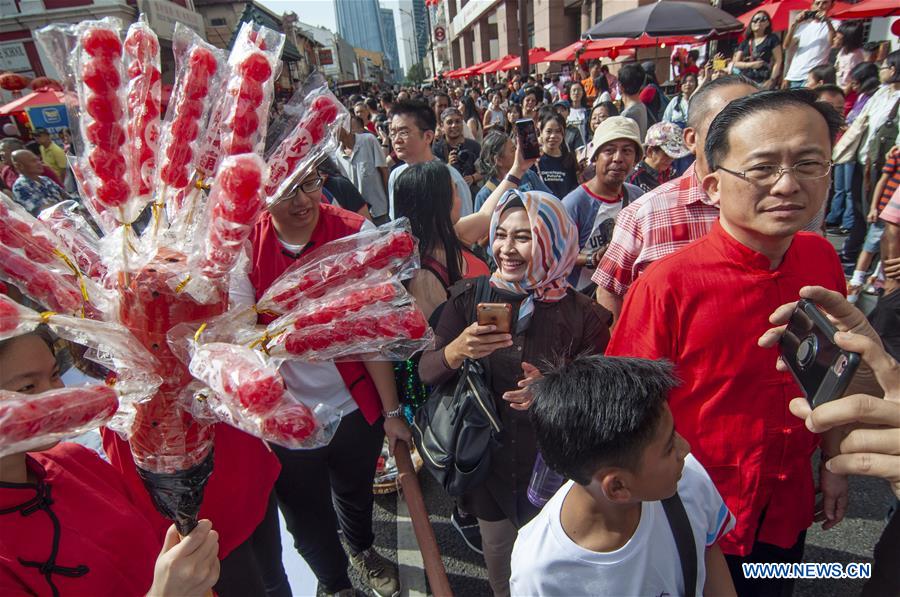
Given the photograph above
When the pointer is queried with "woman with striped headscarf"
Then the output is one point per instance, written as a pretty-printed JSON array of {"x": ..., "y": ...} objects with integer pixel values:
[{"x": 534, "y": 243}]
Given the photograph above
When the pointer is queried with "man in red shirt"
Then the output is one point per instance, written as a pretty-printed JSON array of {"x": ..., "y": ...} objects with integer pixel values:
[
  {"x": 672, "y": 215},
  {"x": 769, "y": 157}
]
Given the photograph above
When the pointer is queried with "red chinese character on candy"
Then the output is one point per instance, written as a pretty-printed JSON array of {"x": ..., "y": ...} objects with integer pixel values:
[
  {"x": 290, "y": 423},
  {"x": 149, "y": 109},
  {"x": 301, "y": 144},
  {"x": 9, "y": 316},
  {"x": 223, "y": 234},
  {"x": 256, "y": 67},
  {"x": 101, "y": 43},
  {"x": 101, "y": 76},
  {"x": 142, "y": 44},
  {"x": 238, "y": 212},
  {"x": 106, "y": 135},
  {"x": 104, "y": 108},
  {"x": 256, "y": 39},
  {"x": 202, "y": 62}
]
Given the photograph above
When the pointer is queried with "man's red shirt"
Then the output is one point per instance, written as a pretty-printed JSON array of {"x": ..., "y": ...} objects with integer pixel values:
[{"x": 703, "y": 308}]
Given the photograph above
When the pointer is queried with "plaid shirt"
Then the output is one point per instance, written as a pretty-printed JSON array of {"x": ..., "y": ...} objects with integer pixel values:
[{"x": 652, "y": 227}]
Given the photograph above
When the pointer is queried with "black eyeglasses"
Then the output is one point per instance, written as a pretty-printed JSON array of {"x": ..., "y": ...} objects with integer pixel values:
[
  {"x": 309, "y": 185},
  {"x": 768, "y": 174},
  {"x": 759, "y": 19}
]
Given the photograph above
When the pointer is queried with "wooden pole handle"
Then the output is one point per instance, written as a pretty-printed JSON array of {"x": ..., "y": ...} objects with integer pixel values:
[{"x": 412, "y": 493}]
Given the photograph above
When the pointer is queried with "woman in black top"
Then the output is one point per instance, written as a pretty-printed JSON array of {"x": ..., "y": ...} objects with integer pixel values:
[
  {"x": 759, "y": 57},
  {"x": 556, "y": 166}
]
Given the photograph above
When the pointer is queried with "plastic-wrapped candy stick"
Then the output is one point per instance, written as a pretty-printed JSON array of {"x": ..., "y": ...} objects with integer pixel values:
[
  {"x": 200, "y": 76},
  {"x": 391, "y": 248},
  {"x": 15, "y": 319},
  {"x": 242, "y": 115},
  {"x": 144, "y": 104},
  {"x": 102, "y": 81},
  {"x": 76, "y": 236},
  {"x": 28, "y": 422},
  {"x": 312, "y": 137},
  {"x": 239, "y": 376},
  {"x": 234, "y": 205}
]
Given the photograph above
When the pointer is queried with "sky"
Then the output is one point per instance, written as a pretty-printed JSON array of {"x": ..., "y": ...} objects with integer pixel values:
[{"x": 321, "y": 13}]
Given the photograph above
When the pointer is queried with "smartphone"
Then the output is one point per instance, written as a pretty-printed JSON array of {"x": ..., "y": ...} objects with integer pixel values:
[
  {"x": 821, "y": 367},
  {"x": 719, "y": 63},
  {"x": 498, "y": 314},
  {"x": 528, "y": 139}
]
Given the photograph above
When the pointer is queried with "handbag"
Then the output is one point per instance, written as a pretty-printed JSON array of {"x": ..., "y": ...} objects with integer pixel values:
[
  {"x": 846, "y": 147},
  {"x": 881, "y": 141},
  {"x": 458, "y": 427}
]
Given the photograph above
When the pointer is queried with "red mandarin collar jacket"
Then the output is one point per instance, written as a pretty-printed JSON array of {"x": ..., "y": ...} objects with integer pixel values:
[{"x": 703, "y": 308}]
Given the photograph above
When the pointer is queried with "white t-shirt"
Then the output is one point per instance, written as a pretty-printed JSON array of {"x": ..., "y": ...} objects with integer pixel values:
[
  {"x": 362, "y": 168},
  {"x": 545, "y": 561},
  {"x": 812, "y": 49}
]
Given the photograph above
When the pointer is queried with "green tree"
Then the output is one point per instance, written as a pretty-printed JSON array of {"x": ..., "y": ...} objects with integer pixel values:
[{"x": 416, "y": 73}]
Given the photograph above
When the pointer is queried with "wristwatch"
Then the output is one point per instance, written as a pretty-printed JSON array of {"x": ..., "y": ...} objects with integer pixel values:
[
  {"x": 394, "y": 414},
  {"x": 514, "y": 179}
]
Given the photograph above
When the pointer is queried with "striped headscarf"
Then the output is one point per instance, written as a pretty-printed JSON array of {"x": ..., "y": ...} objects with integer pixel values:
[{"x": 554, "y": 248}]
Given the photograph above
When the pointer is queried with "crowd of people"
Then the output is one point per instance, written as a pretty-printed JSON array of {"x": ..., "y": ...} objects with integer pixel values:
[{"x": 650, "y": 254}]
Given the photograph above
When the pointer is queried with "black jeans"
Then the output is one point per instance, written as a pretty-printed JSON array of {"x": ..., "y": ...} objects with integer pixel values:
[
  {"x": 320, "y": 489},
  {"x": 254, "y": 568},
  {"x": 885, "y": 580},
  {"x": 763, "y": 553}
]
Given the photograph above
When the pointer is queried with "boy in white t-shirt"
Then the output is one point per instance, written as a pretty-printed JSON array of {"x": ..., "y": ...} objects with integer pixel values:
[{"x": 604, "y": 423}]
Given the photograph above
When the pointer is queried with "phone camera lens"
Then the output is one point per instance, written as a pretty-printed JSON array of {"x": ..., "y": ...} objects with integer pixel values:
[
  {"x": 840, "y": 365},
  {"x": 806, "y": 352}
]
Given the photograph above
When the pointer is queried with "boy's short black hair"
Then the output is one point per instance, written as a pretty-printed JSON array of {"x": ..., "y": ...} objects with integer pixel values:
[
  {"x": 534, "y": 90},
  {"x": 717, "y": 143},
  {"x": 599, "y": 411},
  {"x": 39, "y": 132},
  {"x": 631, "y": 78},
  {"x": 419, "y": 111},
  {"x": 825, "y": 73},
  {"x": 823, "y": 89}
]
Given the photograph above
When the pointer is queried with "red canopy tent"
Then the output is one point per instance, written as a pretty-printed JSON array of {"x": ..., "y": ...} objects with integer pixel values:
[
  {"x": 484, "y": 68},
  {"x": 589, "y": 51},
  {"x": 47, "y": 97},
  {"x": 869, "y": 9},
  {"x": 497, "y": 65},
  {"x": 535, "y": 55},
  {"x": 779, "y": 13}
]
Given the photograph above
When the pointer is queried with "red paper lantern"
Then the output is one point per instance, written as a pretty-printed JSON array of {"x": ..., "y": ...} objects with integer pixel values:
[
  {"x": 13, "y": 81},
  {"x": 613, "y": 53},
  {"x": 45, "y": 83}
]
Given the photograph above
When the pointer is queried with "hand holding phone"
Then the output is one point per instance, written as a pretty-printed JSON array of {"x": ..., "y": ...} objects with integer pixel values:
[
  {"x": 528, "y": 139},
  {"x": 822, "y": 368},
  {"x": 496, "y": 314}
]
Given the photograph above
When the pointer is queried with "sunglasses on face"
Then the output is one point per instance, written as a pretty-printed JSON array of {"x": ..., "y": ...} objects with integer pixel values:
[{"x": 759, "y": 20}]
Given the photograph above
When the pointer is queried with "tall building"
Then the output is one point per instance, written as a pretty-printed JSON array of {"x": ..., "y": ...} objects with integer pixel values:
[
  {"x": 389, "y": 37},
  {"x": 355, "y": 22},
  {"x": 422, "y": 33}
]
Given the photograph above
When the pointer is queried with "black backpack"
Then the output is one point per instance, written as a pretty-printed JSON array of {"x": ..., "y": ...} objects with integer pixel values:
[{"x": 458, "y": 428}]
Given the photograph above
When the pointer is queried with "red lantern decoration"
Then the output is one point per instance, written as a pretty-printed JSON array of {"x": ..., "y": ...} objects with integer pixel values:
[
  {"x": 13, "y": 81},
  {"x": 45, "y": 84},
  {"x": 613, "y": 53}
]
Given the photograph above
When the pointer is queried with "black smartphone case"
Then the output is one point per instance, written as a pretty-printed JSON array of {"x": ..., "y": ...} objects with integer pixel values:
[{"x": 822, "y": 369}]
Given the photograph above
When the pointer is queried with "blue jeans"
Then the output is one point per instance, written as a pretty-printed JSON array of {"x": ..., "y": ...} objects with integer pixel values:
[{"x": 841, "y": 213}]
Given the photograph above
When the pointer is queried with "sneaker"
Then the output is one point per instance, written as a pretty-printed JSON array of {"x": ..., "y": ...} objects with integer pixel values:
[
  {"x": 379, "y": 574},
  {"x": 467, "y": 526},
  {"x": 321, "y": 592}
]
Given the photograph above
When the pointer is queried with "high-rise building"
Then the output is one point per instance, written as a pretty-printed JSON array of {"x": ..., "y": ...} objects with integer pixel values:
[
  {"x": 422, "y": 33},
  {"x": 355, "y": 22},
  {"x": 389, "y": 37}
]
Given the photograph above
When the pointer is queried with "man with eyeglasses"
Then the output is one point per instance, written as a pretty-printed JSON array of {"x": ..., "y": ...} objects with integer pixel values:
[
  {"x": 412, "y": 133},
  {"x": 330, "y": 487},
  {"x": 704, "y": 307}
]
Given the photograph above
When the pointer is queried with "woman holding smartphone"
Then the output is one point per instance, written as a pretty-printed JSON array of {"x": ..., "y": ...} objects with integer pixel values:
[{"x": 535, "y": 244}]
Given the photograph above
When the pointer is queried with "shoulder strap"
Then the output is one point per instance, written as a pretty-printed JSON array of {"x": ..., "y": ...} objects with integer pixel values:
[
  {"x": 434, "y": 266},
  {"x": 684, "y": 540}
]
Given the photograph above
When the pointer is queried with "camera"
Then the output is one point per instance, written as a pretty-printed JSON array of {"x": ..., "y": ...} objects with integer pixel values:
[
  {"x": 465, "y": 156},
  {"x": 820, "y": 366}
]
